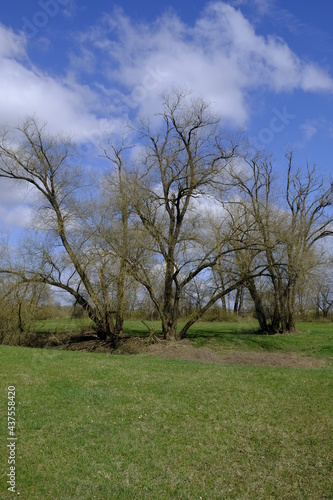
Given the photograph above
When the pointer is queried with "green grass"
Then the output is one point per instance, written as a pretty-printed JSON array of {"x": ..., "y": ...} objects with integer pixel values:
[
  {"x": 138, "y": 427},
  {"x": 62, "y": 325},
  {"x": 312, "y": 339}
]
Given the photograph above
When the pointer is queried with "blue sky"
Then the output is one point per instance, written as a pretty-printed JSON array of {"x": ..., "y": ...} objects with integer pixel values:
[{"x": 87, "y": 67}]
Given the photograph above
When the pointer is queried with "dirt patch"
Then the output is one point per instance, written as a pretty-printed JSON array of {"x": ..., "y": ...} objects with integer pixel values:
[
  {"x": 182, "y": 349},
  {"x": 83, "y": 341}
]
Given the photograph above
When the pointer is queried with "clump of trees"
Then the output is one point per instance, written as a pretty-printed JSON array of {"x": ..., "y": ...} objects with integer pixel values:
[
  {"x": 187, "y": 215},
  {"x": 323, "y": 281},
  {"x": 286, "y": 222},
  {"x": 19, "y": 306}
]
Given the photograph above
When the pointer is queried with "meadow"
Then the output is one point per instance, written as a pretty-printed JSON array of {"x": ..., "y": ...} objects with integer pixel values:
[
  {"x": 96, "y": 425},
  {"x": 311, "y": 338}
]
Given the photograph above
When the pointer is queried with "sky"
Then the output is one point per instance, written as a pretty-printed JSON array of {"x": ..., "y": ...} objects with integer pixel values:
[{"x": 85, "y": 68}]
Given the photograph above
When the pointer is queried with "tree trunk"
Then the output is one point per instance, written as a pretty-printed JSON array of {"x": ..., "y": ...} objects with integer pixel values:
[
  {"x": 121, "y": 301},
  {"x": 20, "y": 320},
  {"x": 171, "y": 333},
  {"x": 238, "y": 300},
  {"x": 105, "y": 330},
  {"x": 291, "y": 297},
  {"x": 259, "y": 308},
  {"x": 224, "y": 304},
  {"x": 275, "y": 324},
  {"x": 169, "y": 308}
]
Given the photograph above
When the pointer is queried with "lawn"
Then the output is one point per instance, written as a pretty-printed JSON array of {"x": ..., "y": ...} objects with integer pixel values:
[
  {"x": 62, "y": 325},
  {"x": 311, "y": 339},
  {"x": 141, "y": 427}
]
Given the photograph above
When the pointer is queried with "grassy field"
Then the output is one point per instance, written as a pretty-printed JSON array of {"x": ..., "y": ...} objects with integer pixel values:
[
  {"x": 142, "y": 427},
  {"x": 311, "y": 339},
  {"x": 62, "y": 325}
]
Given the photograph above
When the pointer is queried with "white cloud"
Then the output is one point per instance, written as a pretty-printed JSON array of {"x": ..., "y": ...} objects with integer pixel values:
[
  {"x": 11, "y": 44},
  {"x": 320, "y": 127},
  {"x": 220, "y": 57},
  {"x": 313, "y": 78},
  {"x": 65, "y": 105},
  {"x": 264, "y": 6},
  {"x": 310, "y": 129},
  {"x": 130, "y": 64},
  {"x": 15, "y": 205},
  {"x": 17, "y": 217}
]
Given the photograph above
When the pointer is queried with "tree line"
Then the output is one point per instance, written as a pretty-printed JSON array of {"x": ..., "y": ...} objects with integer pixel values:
[{"x": 182, "y": 209}]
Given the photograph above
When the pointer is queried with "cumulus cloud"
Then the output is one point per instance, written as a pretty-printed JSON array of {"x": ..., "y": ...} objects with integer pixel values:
[
  {"x": 65, "y": 105},
  {"x": 130, "y": 64},
  {"x": 221, "y": 57}
]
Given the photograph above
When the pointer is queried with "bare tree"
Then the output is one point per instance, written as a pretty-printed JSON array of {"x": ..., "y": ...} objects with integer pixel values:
[
  {"x": 323, "y": 286},
  {"x": 116, "y": 228},
  {"x": 19, "y": 306},
  {"x": 64, "y": 252},
  {"x": 184, "y": 221},
  {"x": 287, "y": 228},
  {"x": 184, "y": 160}
]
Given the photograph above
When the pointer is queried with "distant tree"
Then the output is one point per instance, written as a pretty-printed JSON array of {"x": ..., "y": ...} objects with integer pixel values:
[
  {"x": 19, "y": 306},
  {"x": 286, "y": 228},
  {"x": 324, "y": 288}
]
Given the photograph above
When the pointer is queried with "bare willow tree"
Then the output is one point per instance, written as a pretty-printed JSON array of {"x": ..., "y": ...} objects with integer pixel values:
[
  {"x": 182, "y": 164},
  {"x": 63, "y": 251},
  {"x": 287, "y": 226}
]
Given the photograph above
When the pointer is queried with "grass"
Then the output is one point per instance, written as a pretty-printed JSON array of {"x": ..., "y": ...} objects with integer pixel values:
[
  {"x": 139, "y": 427},
  {"x": 62, "y": 325},
  {"x": 311, "y": 339}
]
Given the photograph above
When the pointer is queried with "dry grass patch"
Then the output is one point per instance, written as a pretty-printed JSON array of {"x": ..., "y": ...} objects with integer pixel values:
[{"x": 185, "y": 350}]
